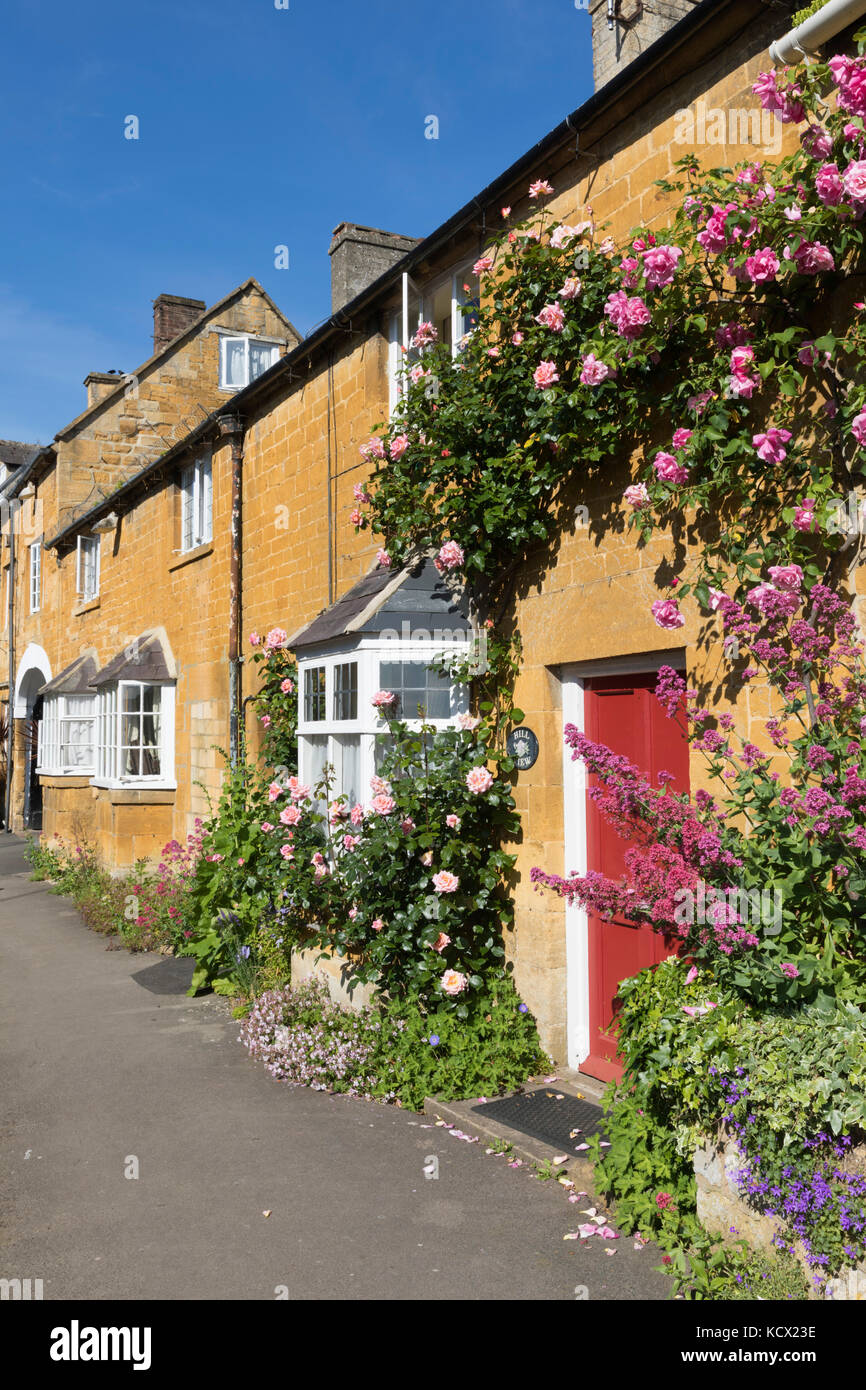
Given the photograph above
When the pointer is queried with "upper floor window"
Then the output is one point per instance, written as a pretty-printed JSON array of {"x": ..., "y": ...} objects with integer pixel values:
[
  {"x": 135, "y": 733},
  {"x": 87, "y": 567},
  {"x": 450, "y": 303},
  {"x": 243, "y": 358},
  {"x": 35, "y": 576},
  {"x": 196, "y": 513},
  {"x": 66, "y": 735}
]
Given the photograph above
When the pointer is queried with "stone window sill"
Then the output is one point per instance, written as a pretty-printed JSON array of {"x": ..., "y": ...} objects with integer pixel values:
[
  {"x": 87, "y": 607},
  {"x": 189, "y": 556}
]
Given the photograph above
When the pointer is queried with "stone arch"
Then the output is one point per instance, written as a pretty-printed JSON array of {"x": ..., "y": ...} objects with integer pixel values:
[{"x": 34, "y": 671}]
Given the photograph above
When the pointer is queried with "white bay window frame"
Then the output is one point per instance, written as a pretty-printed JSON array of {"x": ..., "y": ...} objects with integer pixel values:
[
  {"x": 110, "y": 747},
  {"x": 68, "y": 723},
  {"x": 363, "y": 733}
]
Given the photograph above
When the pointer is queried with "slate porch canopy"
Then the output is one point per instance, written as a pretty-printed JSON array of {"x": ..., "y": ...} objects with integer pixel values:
[
  {"x": 148, "y": 658},
  {"x": 415, "y": 600}
]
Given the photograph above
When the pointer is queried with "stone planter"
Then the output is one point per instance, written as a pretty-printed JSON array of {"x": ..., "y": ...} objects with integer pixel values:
[
  {"x": 721, "y": 1208},
  {"x": 336, "y": 972}
]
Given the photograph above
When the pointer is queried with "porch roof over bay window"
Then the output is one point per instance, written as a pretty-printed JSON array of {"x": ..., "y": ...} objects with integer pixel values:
[
  {"x": 147, "y": 658},
  {"x": 383, "y": 601},
  {"x": 75, "y": 679}
]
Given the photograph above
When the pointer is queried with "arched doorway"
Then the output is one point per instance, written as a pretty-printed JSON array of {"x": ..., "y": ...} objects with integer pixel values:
[{"x": 34, "y": 671}]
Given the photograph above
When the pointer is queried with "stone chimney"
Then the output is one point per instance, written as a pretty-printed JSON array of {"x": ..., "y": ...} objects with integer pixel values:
[
  {"x": 623, "y": 29},
  {"x": 359, "y": 255},
  {"x": 173, "y": 315},
  {"x": 101, "y": 384}
]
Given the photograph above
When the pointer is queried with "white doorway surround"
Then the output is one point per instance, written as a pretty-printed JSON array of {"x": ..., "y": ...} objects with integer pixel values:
[{"x": 573, "y": 679}]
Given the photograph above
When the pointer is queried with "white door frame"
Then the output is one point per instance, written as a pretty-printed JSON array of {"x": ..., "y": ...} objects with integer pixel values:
[{"x": 573, "y": 678}]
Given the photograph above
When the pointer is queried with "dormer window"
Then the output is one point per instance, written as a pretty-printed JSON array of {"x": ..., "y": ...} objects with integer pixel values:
[{"x": 243, "y": 358}]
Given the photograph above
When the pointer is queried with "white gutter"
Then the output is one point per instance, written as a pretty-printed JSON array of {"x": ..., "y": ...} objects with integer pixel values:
[{"x": 808, "y": 37}]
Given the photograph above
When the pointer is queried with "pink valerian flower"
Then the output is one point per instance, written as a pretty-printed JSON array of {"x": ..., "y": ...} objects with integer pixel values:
[
  {"x": 373, "y": 449},
  {"x": 274, "y": 790},
  {"x": 858, "y": 428},
  {"x": 770, "y": 446},
  {"x": 479, "y": 780},
  {"x": 453, "y": 982},
  {"x": 545, "y": 375},
  {"x": 383, "y": 559},
  {"x": 629, "y": 316},
  {"x": 383, "y": 805},
  {"x": 467, "y": 722},
  {"x": 637, "y": 496},
  {"x": 763, "y": 266},
  {"x": 828, "y": 185},
  {"x": 660, "y": 265},
  {"x": 669, "y": 470},
  {"x": 681, "y": 438},
  {"x": 787, "y": 577},
  {"x": 424, "y": 335},
  {"x": 377, "y": 924},
  {"x": 812, "y": 257},
  {"x": 804, "y": 516},
  {"x": 790, "y": 970},
  {"x": 593, "y": 371},
  {"x": 398, "y": 446},
  {"x": 445, "y": 882},
  {"x": 484, "y": 263},
  {"x": 453, "y": 822},
  {"x": 383, "y": 698},
  {"x": 541, "y": 186},
  {"x": 360, "y": 493},
  {"x": 292, "y": 815},
  {"x": 442, "y": 940},
  {"x": 551, "y": 317},
  {"x": 667, "y": 614},
  {"x": 571, "y": 288},
  {"x": 450, "y": 557}
]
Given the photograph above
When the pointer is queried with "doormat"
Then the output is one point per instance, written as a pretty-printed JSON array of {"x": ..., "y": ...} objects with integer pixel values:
[
  {"x": 170, "y": 976},
  {"x": 563, "y": 1123}
]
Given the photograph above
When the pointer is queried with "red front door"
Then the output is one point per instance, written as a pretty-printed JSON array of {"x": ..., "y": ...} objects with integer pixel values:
[{"x": 623, "y": 713}]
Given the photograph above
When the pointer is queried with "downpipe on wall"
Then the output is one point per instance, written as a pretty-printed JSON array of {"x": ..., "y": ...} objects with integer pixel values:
[{"x": 231, "y": 427}]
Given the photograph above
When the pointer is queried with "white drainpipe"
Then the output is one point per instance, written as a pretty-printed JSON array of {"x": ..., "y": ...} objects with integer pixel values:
[{"x": 808, "y": 37}]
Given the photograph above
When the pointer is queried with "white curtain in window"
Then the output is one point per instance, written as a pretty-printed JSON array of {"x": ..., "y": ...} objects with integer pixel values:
[{"x": 235, "y": 362}]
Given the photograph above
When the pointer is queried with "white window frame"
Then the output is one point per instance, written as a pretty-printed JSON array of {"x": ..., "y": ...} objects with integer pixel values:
[
  {"x": 35, "y": 576},
  {"x": 107, "y": 738},
  {"x": 52, "y": 736},
  {"x": 403, "y": 323},
  {"x": 246, "y": 338},
  {"x": 368, "y": 653},
  {"x": 196, "y": 506},
  {"x": 87, "y": 569}
]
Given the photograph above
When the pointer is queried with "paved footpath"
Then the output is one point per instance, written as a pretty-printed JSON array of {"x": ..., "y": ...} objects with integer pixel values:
[{"x": 98, "y": 1069}]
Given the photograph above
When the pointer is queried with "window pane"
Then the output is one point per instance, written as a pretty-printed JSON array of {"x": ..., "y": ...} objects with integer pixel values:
[
  {"x": 205, "y": 503},
  {"x": 130, "y": 730},
  {"x": 150, "y": 762},
  {"x": 346, "y": 691},
  {"x": 314, "y": 693},
  {"x": 235, "y": 362},
  {"x": 468, "y": 299},
  {"x": 349, "y": 782},
  {"x": 314, "y": 750},
  {"x": 131, "y": 697},
  {"x": 262, "y": 355}
]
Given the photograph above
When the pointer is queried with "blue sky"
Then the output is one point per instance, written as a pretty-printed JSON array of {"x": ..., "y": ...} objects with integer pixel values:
[{"x": 257, "y": 127}]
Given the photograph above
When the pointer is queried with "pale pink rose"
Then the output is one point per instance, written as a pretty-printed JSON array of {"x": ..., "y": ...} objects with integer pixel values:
[
  {"x": 337, "y": 812},
  {"x": 287, "y": 851},
  {"x": 681, "y": 438},
  {"x": 444, "y": 882},
  {"x": 787, "y": 577},
  {"x": 793, "y": 213},
  {"x": 424, "y": 335},
  {"x": 593, "y": 371},
  {"x": 292, "y": 815},
  {"x": 357, "y": 518},
  {"x": 416, "y": 374},
  {"x": 606, "y": 247},
  {"x": 450, "y": 557},
  {"x": 297, "y": 790},
  {"x": 812, "y": 257},
  {"x": 494, "y": 352},
  {"x": 427, "y": 858},
  {"x": 274, "y": 790},
  {"x": 517, "y": 338},
  {"x": 667, "y": 614},
  {"x": 353, "y": 912},
  {"x": 275, "y": 639},
  {"x": 441, "y": 942},
  {"x": 255, "y": 639},
  {"x": 545, "y": 375},
  {"x": 505, "y": 211},
  {"x": 828, "y": 185},
  {"x": 350, "y": 842},
  {"x": 467, "y": 722},
  {"x": 770, "y": 446},
  {"x": 479, "y": 780},
  {"x": 287, "y": 686},
  {"x": 854, "y": 181},
  {"x": 453, "y": 822},
  {"x": 562, "y": 235},
  {"x": 398, "y": 446},
  {"x": 265, "y": 720},
  {"x": 551, "y": 317},
  {"x": 377, "y": 924},
  {"x": 215, "y": 858},
  {"x": 539, "y": 187},
  {"x": 669, "y": 470},
  {"x": 374, "y": 448},
  {"x": 483, "y": 264},
  {"x": 356, "y": 815},
  {"x": 637, "y": 496},
  {"x": 383, "y": 698},
  {"x": 383, "y": 559},
  {"x": 660, "y": 265},
  {"x": 571, "y": 288},
  {"x": 763, "y": 266},
  {"x": 383, "y": 805},
  {"x": 360, "y": 493},
  {"x": 379, "y": 786},
  {"x": 716, "y": 596},
  {"x": 266, "y": 827},
  {"x": 453, "y": 982},
  {"x": 858, "y": 427}
]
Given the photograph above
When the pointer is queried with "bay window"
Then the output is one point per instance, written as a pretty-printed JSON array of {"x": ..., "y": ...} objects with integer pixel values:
[
  {"x": 135, "y": 734},
  {"x": 66, "y": 735}
]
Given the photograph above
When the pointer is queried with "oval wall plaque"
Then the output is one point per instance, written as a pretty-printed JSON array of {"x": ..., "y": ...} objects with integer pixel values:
[{"x": 522, "y": 746}]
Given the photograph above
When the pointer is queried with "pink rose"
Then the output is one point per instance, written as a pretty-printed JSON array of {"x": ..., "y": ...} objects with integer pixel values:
[
  {"x": 357, "y": 518},
  {"x": 540, "y": 187},
  {"x": 407, "y": 825},
  {"x": 667, "y": 614},
  {"x": 441, "y": 942},
  {"x": 545, "y": 375},
  {"x": 398, "y": 446},
  {"x": 274, "y": 790},
  {"x": 424, "y": 335},
  {"x": 637, "y": 496},
  {"x": 292, "y": 815},
  {"x": 854, "y": 181},
  {"x": 453, "y": 982},
  {"x": 593, "y": 371},
  {"x": 287, "y": 851},
  {"x": 828, "y": 185},
  {"x": 383, "y": 698},
  {"x": 356, "y": 815},
  {"x": 383, "y": 559},
  {"x": 681, "y": 438},
  {"x": 374, "y": 448},
  {"x": 812, "y": 257},
  {"x": 517, "y": 338},
  {"x": 551, "y": 317},
  {"x": 660, "y": 265},
  {"x": 287, "y": 686},
  {"x": 763, "y": 266},
  {"x": 255, "y": 639},
  {"x": 787, "y": 577},
  {"x": 266, "y": 827},
  {"x": 377, "y": 924},
  {"x": 770, "y": 446},
  {"x": 275, "y": 639},
  {"x": 360, "y": 493},
  {"x": 804, "y": 516},
  {"x": 265, "y": 721},
  {"x": 571, "y": 288},
  {"x": 467, "y": 722},
  {"x": 479, "y": 780},
  {"x": 562, "y": 235},
  {"x": 453, "y": 822},
  {"x": 858, "y": 427},
  {"x": 444, "y": 882},
  {"x": 669, "y": 470},
  {"x": 450, "y": 557},
  {"x": 383, "y": 805},
  {"x": 483, "y": 264},
  {"x": 628, "y": 316}
]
